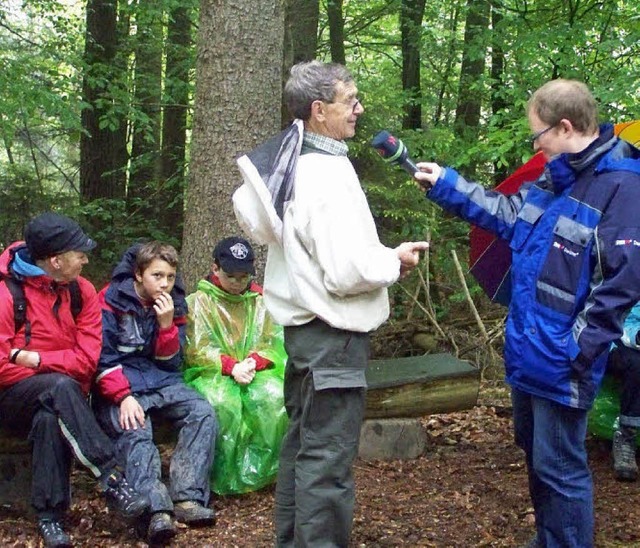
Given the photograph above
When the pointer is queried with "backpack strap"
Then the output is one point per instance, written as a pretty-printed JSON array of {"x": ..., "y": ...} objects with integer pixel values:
[
  {"x": 19, "y": 307},
  {"x": 76, "y": 298},
  {"x": 20, "y": 304}
]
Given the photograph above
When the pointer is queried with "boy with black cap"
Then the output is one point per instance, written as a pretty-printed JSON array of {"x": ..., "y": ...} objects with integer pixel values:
[
  {"x": 235, "y": 357},
  {"x": 47, "y": 365}
]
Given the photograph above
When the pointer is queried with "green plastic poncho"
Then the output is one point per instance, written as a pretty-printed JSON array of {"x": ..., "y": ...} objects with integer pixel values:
[
  {"x": 603, "y": 416},
  {"x": 252, "y": 418}
]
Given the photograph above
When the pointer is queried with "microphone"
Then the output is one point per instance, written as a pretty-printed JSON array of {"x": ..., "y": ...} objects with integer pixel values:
[{"x": 393, "y": 151}]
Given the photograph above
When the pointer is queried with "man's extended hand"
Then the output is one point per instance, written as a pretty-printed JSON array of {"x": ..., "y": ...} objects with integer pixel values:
[
  {"x": 409, "y": 255},
  {"x": 131, "y": 414},
  {"x": 243, "y": 372}
]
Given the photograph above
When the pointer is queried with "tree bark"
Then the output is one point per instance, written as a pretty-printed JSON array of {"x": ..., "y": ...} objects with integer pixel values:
[
  {"x": 300, "y": 38},
  {"x": 143, "y": 178},
  {"x": 174, "y": 125},
  {"x": 473, "y": 65},
  {"x": 103, "y": 143},
  {"x": 237, "y": 106},
  {"x": 336, "y": 31},
  {"x": 420, "y": 385},
  {"x": 411, "y": 14}
]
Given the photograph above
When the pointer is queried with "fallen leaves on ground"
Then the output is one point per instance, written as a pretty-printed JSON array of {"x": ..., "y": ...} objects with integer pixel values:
[{"x": 468, "y": 489}]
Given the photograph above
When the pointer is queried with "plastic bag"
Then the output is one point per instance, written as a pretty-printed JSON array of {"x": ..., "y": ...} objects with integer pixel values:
[
  {"x": 603, "y": 417},
  {"x": 252, "y": 419}
]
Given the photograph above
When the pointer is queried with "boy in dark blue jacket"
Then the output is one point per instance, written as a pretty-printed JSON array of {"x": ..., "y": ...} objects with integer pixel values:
[{"x": 139, "y": 378}]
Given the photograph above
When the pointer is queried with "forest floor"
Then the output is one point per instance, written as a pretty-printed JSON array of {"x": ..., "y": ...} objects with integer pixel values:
[{"x": 468, "y": 489}]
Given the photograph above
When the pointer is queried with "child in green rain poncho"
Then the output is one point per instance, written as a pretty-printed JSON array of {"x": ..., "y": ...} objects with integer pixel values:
[{"x": 235, "y": 358}]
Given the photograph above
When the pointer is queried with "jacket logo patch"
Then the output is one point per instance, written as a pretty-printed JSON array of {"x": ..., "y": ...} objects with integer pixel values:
[
  {"x": 628, "y": 242},
  {"x": 565, "y": 249}
]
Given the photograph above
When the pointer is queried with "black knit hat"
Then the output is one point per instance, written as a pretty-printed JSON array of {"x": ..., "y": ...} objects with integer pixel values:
[{"x": 50, "y": 234}]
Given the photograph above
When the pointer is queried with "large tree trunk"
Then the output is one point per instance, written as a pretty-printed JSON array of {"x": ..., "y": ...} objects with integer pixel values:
[
  {"x": 174, "y": 126},
  {"x": 336, "y": 31},
  {"x": 472, "y": 70},
  {"x": 300, "y": 38},
  {"x": 102, "y": 146},
  {"x": 237, "y": 106},
  {"x": 411, "y": 14},
  {"x": 146, "y": 129}
]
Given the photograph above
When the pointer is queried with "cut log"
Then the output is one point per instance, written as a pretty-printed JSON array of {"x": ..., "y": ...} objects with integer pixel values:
[{"x": 420, "y": 385}]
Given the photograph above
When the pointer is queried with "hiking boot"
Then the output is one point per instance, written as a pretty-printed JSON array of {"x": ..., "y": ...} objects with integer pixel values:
[
  {"x": 193, "y": 513},
  {"x": 161, "y": 529},
  {"x": 624, "y": 454},
  {"x": 122, "y": 497},
  {"x": 53, "y": 535}
]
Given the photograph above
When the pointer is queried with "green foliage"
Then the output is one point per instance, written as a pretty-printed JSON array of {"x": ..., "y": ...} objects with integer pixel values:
[
  {"x": 108, "y": 223},
  {"x": 41, "y": 47}
]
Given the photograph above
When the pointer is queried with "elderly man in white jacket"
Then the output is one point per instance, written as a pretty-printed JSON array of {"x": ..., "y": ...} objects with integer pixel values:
[{"x": 325, "y": 281}]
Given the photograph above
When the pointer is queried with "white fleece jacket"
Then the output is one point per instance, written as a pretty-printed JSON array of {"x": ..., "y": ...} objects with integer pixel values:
[{"x": 325, "y": 259}]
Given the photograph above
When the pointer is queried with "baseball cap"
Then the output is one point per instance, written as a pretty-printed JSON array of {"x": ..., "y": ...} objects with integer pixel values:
[
  {"x": 234, "y": 254},
  {"x": 50, "y": 234}
]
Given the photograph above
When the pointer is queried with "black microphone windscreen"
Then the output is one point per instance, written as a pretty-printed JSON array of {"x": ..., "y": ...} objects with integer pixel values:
[{"x": 385, "y": 143}]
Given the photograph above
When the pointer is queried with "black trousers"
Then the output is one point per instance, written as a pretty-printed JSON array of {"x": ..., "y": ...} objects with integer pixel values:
[
  {"x": 54, "y": 413},
  {"x": 624, "y": 364}
]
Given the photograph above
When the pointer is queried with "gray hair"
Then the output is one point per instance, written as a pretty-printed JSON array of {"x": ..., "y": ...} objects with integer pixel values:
[{"x": 312, "y": 81}]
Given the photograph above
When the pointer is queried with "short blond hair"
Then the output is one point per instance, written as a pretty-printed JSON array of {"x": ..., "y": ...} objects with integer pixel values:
[{"x": 565, "y": 99}]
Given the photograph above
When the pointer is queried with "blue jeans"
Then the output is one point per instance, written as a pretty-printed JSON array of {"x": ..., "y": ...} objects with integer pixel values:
[{"x": 553, "y": 439}]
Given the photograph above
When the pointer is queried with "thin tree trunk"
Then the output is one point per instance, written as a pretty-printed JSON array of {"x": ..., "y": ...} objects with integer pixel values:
[
  {"x": 103, "y": 143},
  {"x": 336, "y": 31},
  {"x": 411, "y": 14},
  {"x": 174, "y": 126},
  {"x": 300, "y": 38},
  {"x": 472, "y": 70},
  {"x": 147, "y": 95}
]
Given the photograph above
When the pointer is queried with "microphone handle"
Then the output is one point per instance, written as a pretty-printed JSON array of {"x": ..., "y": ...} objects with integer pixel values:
[{"x": 409, "y": 166}]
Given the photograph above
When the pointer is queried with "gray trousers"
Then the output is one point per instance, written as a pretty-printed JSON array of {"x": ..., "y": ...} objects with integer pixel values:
[
  {"x": 192, "y": 456},
  {"x": 324, "y": 392}
]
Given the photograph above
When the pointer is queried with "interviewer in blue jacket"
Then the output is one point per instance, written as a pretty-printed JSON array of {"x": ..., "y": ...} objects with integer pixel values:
[{"x": 575, "y": 243}]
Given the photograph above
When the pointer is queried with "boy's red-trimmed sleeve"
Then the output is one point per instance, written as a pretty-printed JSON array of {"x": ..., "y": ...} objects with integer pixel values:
[
  {"x": 168, "y": 341},
  {"x": 228, "y": 363},
  {"x": 113, "y": 384},
  {"x": 261, "y": 362}
]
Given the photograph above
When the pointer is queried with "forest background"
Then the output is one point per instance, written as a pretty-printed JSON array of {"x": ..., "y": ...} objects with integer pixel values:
[{"x": 129, "y": 115}]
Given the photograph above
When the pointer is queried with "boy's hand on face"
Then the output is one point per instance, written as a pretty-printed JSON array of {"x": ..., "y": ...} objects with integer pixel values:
[
  {"x": 245, "y": 371},
  {"x": 164, "y": 310},
  {"x": 131, "y": 414}
]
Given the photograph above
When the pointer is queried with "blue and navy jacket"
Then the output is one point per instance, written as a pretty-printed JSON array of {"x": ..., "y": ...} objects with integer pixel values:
[
  {"x": 574, "y": 236},
  {"x": 137, "y": 356}
]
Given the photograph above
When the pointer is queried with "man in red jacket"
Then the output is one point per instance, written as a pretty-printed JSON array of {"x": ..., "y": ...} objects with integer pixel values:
[{"x": 47, "y": 363}]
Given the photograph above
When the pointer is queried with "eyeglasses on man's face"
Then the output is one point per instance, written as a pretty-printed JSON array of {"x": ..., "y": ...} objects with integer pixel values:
[
  {"x": 351, "y": 104},
  {"x": 540, "y": 133}
]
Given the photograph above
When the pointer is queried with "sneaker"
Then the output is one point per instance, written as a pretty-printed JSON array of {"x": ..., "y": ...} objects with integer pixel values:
[
  {"x": 122, "y": 497},
  {"x": 161, "y": 529},
  {"x": 193, "y": 513},
  {"x": 53, "y": 535},
  {"x": 624, "y": 454}
]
